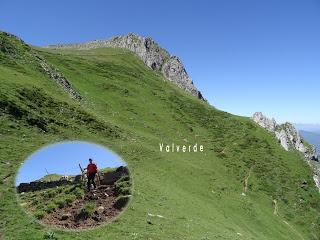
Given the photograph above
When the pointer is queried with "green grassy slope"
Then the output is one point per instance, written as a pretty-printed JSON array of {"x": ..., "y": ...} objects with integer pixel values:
[{"x": 131, "y": 109}]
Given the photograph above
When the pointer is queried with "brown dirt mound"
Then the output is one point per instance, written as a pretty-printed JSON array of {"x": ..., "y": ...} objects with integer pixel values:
[{"x": 72, "y": 217}]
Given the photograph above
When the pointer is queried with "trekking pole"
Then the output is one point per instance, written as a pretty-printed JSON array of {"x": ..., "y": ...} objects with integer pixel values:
[{"x": 82, "y": 173}]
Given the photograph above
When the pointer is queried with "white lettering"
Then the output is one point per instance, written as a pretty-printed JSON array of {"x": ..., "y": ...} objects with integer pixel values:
[
  {"x": 180, "y": 148},
  {"x": 184, "y": 148},
  {"x": 167, "y": 148},
  {"x": 161, "y": 146},
  {"x": 195, "y": 148},
  {"x": 201, "y": 148}
]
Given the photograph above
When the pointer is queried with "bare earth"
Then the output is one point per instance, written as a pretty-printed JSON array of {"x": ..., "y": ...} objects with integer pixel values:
[{"x": 68, "y": 217}]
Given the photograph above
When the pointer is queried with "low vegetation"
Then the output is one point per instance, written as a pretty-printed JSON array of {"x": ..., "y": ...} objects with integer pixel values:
[
  {"x": 131, "y": 109},
  {"x": 48, "y": 200},
  {"x": 86, "y": 211}
]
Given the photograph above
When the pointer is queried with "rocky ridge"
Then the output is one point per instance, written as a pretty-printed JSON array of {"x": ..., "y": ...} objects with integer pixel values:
[
  {"x": 290, "y": 139},
  {"x": 17, "y": 50},
  {"x": 58, "y": 77},
  {"x": 155, "y": 57}
]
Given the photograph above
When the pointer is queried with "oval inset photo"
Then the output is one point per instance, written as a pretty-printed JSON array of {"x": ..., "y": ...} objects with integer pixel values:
[{"x": 74, "y": 185}]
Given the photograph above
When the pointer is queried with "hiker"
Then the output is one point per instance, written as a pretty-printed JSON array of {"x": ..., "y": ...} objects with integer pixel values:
[{"x": 91, "y": 174}]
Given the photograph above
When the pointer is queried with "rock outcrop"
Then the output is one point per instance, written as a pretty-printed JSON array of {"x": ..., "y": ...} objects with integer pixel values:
[
  {"x": 290, "y": 139},
  {"x": 263, "y": 121},
  {"x": 17, "y": 50},
  {"x": 58, "y": 77},
  {"x": 155, "y": 57},
  {"x": 287, "y": 135}
]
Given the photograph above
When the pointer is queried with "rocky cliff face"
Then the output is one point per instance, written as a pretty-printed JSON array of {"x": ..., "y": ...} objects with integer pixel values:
[
  {"x": 263, "y": 121},
  {"x": 288, "y": 136},
  {"x": 290, "y": 139},
  {"x": 155, "y": 57}
]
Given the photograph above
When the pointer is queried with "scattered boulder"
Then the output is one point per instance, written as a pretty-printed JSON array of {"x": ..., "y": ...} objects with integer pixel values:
[
  {"x": 97, "y": 217},
  {"x": 100, "y": 210},
  {"x": 91, "y": 196},
  {"x": 66, "y": 216},
  {"x": 304, "y": 184}
]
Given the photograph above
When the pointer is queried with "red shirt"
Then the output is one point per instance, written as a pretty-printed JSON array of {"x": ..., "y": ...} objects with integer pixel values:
[{"x": 92, "y": 168}]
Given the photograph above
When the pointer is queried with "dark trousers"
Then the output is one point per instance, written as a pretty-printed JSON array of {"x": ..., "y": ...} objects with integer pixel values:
[{"x": 91, "y": 177}]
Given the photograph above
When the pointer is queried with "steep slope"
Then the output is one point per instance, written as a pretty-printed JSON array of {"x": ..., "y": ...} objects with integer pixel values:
[
  {"x": 150, "y": 53},
  {"x": 243, "y": 186},
  {"x": 287, "y": 134},
  {"x": 290, "y": 139}
]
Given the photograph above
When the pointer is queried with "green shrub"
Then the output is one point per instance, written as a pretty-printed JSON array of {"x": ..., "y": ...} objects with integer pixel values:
[
  {"x": 60, "y": 202},
  {"x": 123, "y": 186},
  {"x": 39, "y": 214},
  {"x": 78, "y": 192},
  {"x": 124, "y": 191},
  {"x": 86, "y": 211},
  {"x": 50, "y": 207},
  {"x": 49, "y": 235},
  {"x": 48, "y": 195},
  {"x": 69, "y": 199},
  {"x": 124, "y": 178}
]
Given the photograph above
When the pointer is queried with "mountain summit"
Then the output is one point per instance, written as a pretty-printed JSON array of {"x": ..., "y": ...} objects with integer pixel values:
[
  {"x": 244, "y": 185},
  {"x": 154, "y": 56}
]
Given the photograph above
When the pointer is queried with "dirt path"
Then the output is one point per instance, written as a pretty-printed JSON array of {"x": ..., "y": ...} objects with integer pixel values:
[
  {"x": 246, "y": 180},
  {"x": 294, "y": 230},
  {"x": 275, "y": 212},
  {"x": 70, "y": 217},
  {"x": 275, "y": 207}
]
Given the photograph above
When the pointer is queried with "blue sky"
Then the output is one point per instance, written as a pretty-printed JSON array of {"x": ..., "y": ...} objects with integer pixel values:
[
  {"x": 245, "y": 56},
  {"x": 64, "y": 158}
]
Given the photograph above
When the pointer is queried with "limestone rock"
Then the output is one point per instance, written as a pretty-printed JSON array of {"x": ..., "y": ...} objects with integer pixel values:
[
  {"x": 22, "y": 52},
  {"x": 58, "y": 77},
  {"x": 263, "y": 121},
  {"x": 286, "y": 133},
  {"x": 65, "y": 216},
  {"x": 282, "y": 137},
  {"x": 100, "y": 209},
  {"x": 290, "y": 139},
  {"x": 155, "y": 57}
]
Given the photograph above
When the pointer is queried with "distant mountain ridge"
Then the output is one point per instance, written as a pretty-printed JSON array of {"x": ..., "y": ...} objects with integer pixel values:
[
  {"x": 150, "y": 53},
  {"x": 308, "y": 127},
  {"x": 313, "y": 138}
]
